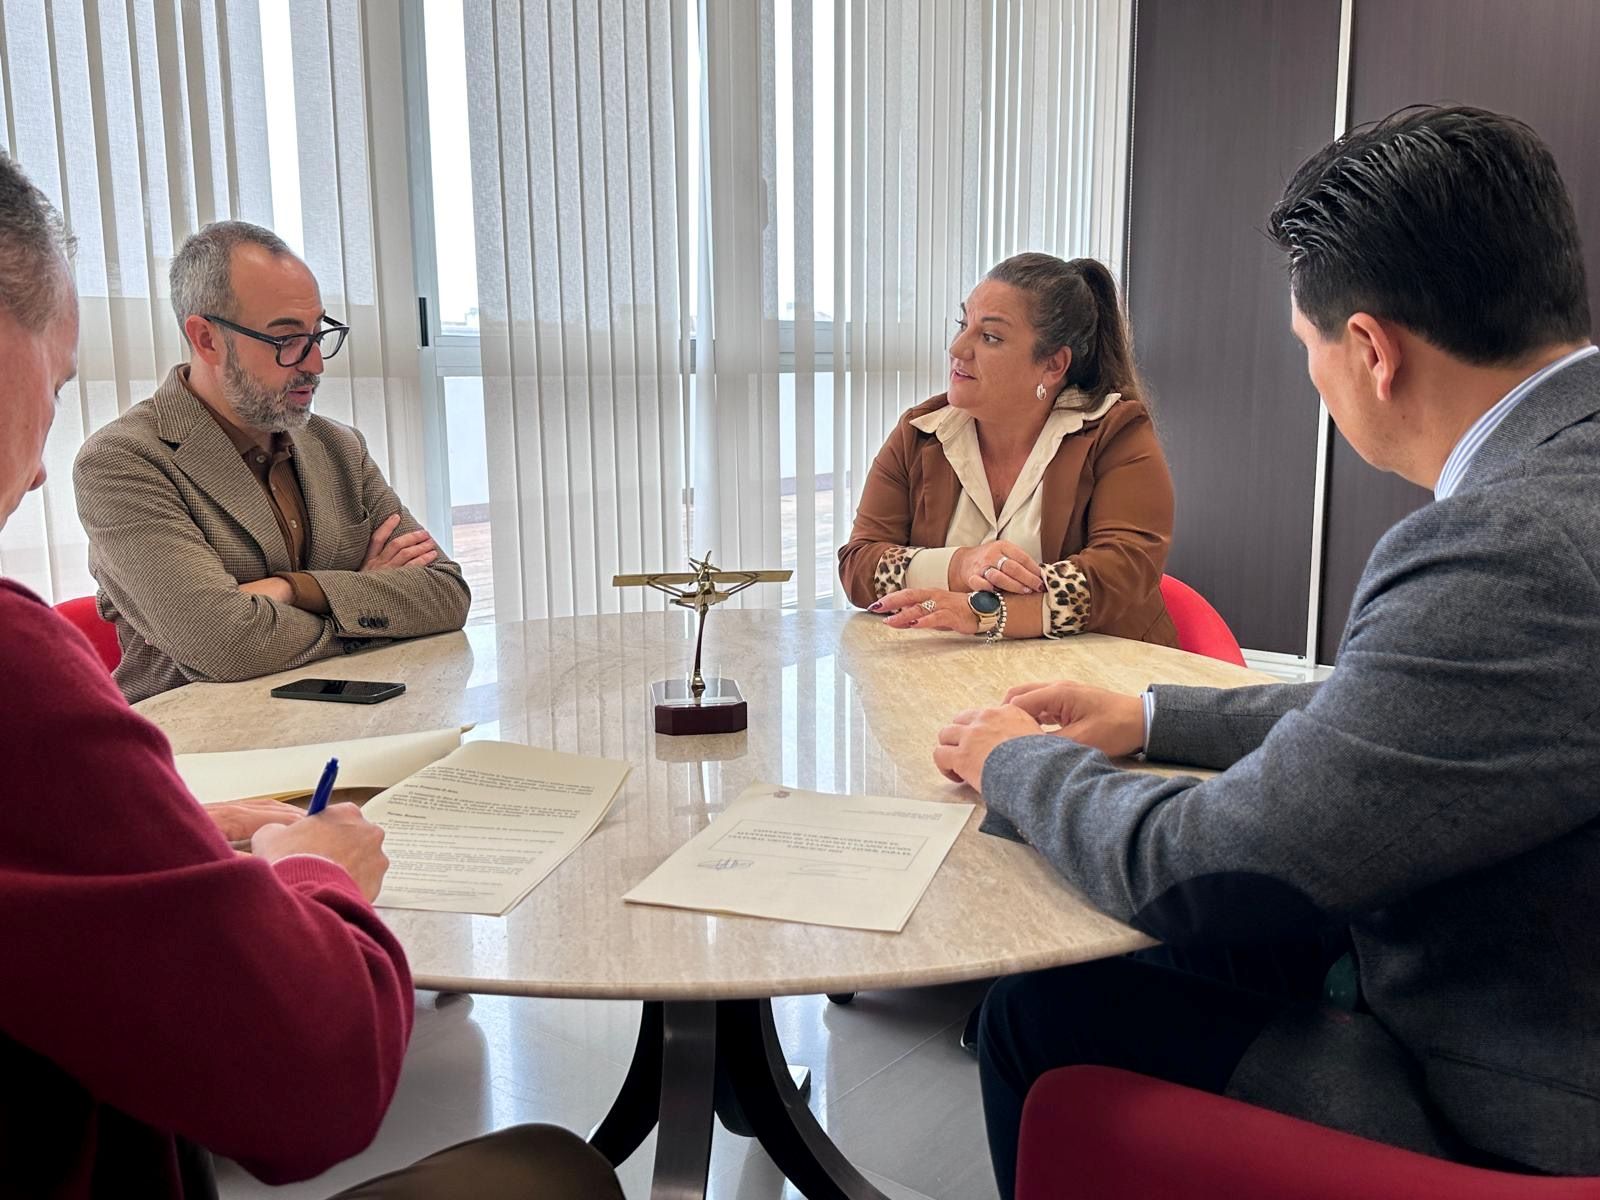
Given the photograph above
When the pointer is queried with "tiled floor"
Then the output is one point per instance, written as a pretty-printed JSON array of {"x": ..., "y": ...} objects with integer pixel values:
[
  {"x": 473, "y": 554},
  {"x": 889, "y": 1082}
]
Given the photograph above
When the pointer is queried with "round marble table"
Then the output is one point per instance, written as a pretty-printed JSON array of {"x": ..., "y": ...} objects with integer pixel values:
[{"x": 838, "y": 702}]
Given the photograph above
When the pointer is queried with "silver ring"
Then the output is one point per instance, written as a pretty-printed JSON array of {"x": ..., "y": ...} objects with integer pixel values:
[
  {"x": 986, "y": 570},
  {"x": 929, "y": 605},
  {"x": 1004, "y": 559}
]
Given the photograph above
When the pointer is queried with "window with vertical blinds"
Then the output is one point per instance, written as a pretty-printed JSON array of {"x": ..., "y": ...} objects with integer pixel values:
[
  {"x": 716, "y": 245},
  {"x": 143, "y": 120},
  {"x": 720, "y": 246}
]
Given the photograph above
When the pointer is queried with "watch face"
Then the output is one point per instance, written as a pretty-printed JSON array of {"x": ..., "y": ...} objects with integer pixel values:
[{"x": 984, "y": 603}]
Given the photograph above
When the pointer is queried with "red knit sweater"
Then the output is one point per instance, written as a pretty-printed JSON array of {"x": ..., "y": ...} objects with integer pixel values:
[{"x": 153, "y": 984}]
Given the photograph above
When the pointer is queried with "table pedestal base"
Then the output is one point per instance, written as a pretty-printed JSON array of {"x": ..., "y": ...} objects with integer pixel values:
[{"x": 699, "y": 1057}]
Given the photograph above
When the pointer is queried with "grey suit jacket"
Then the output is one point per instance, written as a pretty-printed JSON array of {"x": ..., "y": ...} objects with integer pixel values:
[
  {"x": 1440, "y": 794},
  {"x": 176, "y": 522}
]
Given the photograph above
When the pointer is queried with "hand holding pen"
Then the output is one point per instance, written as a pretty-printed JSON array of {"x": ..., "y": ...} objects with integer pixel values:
[
  {"x": 319, "y": 799},
  {"x": 341, "y": 834}
]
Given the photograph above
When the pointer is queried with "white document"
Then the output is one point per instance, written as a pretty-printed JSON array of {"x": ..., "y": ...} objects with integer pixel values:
[
  {"x": 375, "y": 762},
  {"x": 857, "y": 862},
  {"x": 477, "y": 831}
]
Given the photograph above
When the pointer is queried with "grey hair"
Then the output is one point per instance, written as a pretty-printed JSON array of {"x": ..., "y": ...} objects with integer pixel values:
[
  {"x": 34, "y": 248},
  {"x": 201, "y": 276}
]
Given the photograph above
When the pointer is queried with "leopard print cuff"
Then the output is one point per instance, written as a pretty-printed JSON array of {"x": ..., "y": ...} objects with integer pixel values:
[
  {"x": 890, "y": 574},
  {"x": 1066, "y": 599}
]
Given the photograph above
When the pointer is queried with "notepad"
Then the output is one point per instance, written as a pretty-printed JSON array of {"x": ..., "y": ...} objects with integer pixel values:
[{"x": 375, "y": 762}]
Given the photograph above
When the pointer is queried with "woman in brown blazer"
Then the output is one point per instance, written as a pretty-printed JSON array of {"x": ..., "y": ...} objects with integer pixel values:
[{"x": 1031, "y": 499}]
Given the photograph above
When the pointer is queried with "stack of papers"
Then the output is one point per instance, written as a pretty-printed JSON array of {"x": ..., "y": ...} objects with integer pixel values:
[{"x": 856, "y": 862}]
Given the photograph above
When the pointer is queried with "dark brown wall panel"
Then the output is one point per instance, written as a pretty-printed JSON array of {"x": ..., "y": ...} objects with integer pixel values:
[
  {"x": 1229, "y": 97},
  {"x": 1533, "y": 59}
]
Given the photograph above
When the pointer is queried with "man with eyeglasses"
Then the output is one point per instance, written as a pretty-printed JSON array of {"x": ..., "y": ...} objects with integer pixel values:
[{"x": 232, "y": 533}]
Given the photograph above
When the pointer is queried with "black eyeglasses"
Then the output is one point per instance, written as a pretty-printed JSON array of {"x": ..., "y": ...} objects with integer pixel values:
[{"x": 294, "y": 348}]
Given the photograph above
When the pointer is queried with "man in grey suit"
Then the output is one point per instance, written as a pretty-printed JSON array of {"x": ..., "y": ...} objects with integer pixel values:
[{"x": 1437, "y": 795}]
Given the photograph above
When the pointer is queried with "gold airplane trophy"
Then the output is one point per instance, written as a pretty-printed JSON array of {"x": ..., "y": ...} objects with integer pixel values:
[{"x": 698, "y": 704}]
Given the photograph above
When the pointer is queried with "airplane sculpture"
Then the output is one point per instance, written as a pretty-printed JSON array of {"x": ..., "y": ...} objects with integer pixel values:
[{"x": 699, "y": 705}]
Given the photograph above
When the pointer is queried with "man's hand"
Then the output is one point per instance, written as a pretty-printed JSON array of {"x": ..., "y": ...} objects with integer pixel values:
[
  {"x": 385, "y": 552},
  {"x": 927, "y": 608},
  {"x": 272, "y": 588},
  {"x": 966, "y": 743},
  {"x": 339, "y": 832},
  {"x": 239, "y": 819},
  {"x": 1107, "y": 721}
]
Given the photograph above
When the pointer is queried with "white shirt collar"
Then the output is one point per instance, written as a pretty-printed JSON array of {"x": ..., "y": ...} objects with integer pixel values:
[
  {"x": 958, "y": 437},
  {"x": 1455, "y": 467}
]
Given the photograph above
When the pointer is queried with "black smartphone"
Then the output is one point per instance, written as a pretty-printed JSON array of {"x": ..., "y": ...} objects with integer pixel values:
[{"x": 341, "y": 691}]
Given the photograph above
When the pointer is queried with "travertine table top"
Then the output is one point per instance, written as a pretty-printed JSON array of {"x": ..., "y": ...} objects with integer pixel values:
[{"x": 838, "y": 702}]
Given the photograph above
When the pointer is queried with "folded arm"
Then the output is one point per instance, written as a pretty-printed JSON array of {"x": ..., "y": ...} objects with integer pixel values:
[
  {"x": 156, "y": 567},
  {"x": 422, "y": 597}
]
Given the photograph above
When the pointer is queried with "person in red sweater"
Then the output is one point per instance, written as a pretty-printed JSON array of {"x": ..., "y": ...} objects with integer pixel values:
[{"x": 163, "y": 996}]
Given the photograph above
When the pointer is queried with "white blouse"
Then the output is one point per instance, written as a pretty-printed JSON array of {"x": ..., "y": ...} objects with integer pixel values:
[{"x": 975, "y": 522}]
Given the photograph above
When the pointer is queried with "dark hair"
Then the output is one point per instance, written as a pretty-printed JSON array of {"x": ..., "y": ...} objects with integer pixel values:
[
  {"x": 1075, "y": 304},
  {"x": 1451, "y": 221},
  {"x": 34, "y": 245}
]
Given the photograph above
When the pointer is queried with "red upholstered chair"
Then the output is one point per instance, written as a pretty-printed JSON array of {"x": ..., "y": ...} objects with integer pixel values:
[
  {"x": 1113, "y": 1135},
  {"x": 1201, "y": 629},
  {"x": 102, "y": 634}
]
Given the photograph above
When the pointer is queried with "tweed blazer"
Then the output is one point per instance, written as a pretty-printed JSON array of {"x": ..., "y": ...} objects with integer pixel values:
[
  {"x": 176, "y": 522},
  {"x": 1107, "y": 507},
  {"x": 1438, "y": 794}
]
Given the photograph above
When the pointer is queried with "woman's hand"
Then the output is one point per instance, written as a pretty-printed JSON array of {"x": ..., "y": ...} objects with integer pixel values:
[
  {"x": 995, "y": 567},
  {"x": 928, "y": 608}
]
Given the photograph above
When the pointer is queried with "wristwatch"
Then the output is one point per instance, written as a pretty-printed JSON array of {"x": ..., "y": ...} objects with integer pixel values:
[{"x": 991, "y": 613}]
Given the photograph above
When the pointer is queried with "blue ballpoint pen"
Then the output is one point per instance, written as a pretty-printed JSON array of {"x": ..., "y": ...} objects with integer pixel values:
[{"x": 319, "y": 800}]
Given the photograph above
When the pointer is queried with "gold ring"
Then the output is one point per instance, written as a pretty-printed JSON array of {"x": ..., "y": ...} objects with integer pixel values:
[{"x": 929, "y": 605}]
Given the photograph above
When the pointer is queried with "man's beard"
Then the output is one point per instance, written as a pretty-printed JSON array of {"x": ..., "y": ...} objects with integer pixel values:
[{"x": 260, "y": 408}]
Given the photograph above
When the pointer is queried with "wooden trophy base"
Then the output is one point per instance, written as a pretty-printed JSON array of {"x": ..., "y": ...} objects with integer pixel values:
[{"x": 719, "y": 709}]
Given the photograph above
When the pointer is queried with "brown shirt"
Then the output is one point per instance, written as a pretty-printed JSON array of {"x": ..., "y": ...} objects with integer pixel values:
[{"x": 275, "y": 470}]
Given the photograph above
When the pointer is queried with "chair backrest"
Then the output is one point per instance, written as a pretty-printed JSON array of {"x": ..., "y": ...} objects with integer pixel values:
[
  {"x": 1098, "y": 1131},
  {"x": 102, "y": 634},
  {"x": 1201, "y": 629}
]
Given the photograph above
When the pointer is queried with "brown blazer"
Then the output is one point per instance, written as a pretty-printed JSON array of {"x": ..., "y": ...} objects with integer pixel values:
[
  {"x": 1107, "y": 506},
  {"x": 176, "y": 522}
]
